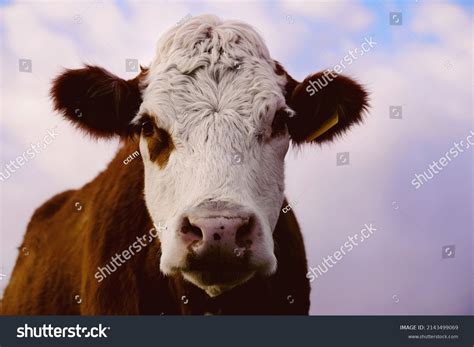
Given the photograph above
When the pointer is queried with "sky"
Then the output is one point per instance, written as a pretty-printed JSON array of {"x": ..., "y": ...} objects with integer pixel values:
[{"x": 424, "y": 66}]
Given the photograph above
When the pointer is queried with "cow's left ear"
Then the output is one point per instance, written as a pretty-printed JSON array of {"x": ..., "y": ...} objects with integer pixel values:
[
  {"x": 326, "y": 105},
  {"x": 97, "y": 101}
]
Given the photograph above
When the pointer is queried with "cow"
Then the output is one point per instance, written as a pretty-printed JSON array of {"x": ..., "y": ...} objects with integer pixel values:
[{"x": 212, "y": 118}]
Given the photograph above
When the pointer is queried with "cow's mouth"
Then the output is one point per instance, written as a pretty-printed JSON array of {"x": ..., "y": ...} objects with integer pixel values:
[
  {"x": 210, "y": 278},
  {"x": 215, "y": 283},
  {"x": 217, "y": 275}
]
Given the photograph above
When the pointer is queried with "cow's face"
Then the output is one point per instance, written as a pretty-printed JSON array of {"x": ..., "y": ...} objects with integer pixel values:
[
  {"x": 213, "y": 141},
  {"x": 214, "y": 115}
]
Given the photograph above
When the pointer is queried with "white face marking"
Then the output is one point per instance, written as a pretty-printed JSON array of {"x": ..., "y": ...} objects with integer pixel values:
[{"x": 216, "y": 93}]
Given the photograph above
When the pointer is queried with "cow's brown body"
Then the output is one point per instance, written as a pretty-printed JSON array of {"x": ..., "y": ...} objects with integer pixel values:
[{"x": 64, "y": 246}]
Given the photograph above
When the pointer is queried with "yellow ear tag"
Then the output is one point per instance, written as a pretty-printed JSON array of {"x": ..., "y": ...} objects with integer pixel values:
[{"x": 331, "y": 122}]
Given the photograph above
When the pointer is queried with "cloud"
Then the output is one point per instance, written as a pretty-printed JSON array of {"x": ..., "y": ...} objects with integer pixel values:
[
  {"x": 345, "y": 13},
  {"x": 441, "y": 20}
]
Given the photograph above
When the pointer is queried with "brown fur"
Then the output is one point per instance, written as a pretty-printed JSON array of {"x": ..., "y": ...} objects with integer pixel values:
[
  {"x": 66, "y": 246},
  {"x": 96, "y": 101},
  {"x": 342, "y": 96},
  {"x": 160, "y": 147}
]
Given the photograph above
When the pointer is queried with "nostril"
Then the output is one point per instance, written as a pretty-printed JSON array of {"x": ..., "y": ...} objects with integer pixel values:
[
  {"x": 243, "y": 237},
  {"x": 191, "y": 230},
  {"x": 217, "y": 237}
]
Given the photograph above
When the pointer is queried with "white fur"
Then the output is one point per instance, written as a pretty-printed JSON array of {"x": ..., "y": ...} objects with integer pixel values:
[{"x": 229, "y": 114}]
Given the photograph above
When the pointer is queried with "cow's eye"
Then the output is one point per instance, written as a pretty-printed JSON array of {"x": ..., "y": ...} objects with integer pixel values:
[
  {"x": 279, "y": 123},
  {"x": 147, "y": 128}
]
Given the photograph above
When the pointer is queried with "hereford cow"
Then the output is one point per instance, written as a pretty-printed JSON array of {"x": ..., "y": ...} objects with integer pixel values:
[{"x": 212, "y": 118}]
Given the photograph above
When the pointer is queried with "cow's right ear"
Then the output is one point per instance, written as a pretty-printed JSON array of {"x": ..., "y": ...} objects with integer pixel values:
[
  {"x": 97, "y": 101},
  {"x": 325, "y": 111}
]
